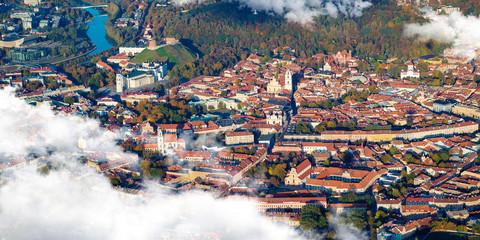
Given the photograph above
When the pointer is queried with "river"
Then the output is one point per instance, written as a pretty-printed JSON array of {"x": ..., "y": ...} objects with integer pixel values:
[{"x": 96, "y": 31}]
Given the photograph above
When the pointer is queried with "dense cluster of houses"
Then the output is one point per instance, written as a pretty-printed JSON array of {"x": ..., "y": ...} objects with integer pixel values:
[{"x": 361, "y": 146}]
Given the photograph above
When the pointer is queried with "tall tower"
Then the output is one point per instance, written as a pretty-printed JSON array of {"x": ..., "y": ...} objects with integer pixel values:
[
  {"x": 288, "y": 80},
  {"x": 160, "y": 143},
  {"x": 120, "y": 82}
]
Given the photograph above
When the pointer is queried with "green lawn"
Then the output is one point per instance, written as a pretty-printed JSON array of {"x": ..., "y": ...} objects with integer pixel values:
[{"x": 176, "y": 54}]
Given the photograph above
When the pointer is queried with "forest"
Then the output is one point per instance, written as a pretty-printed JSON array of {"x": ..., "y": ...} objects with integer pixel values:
[{"x": 224, "y": 36}]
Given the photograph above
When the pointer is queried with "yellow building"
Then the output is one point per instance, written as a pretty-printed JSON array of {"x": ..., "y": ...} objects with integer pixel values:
[
  {"x": 233, "y": 138},
  {"x": 435, "y": 61},
  {"x": 465, "y": 110},
  {"x": 381, "y": 137},
  {"x": 274, "y": 86}
]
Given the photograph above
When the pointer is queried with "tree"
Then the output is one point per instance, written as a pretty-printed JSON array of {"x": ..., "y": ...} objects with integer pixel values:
[
  {"x": 462, "y": 228},
  {"x": 409, "y": 158},
  {"x": 326, "y": 163},
  {"x": 279, "y": 171},
  {"x": 476, "y": 228},
  {"x": 393, "y": 150},
  {"x": 174, "y": 91},
  {"x": 395, "y": 193},
  {"x": 313, "y": 218},
  {"x": 331, "y": 125},
  {"x": 44, "y": 170},
  {"x": 33, "y": 86},
  {"x": 380, "y": 215},
  {"x": 138, "y": 148},
  {"x": 319, "y": 128},
  {"x": 303, "y": 127},
  {"x": 115, "y": 181},
  {"x": 423, "y": 123},
  {"x": 274, "y": 181},
  {"x": 385, "y": 158},
  {"x": 355, "y": 218},
  {"x": 347, "y": 158},
  {"x": 444, "y": 155},
  {"x": 362, "y": 66},
  {"x": 69, "y": 100},
  {"x": 145, "y": 167}
]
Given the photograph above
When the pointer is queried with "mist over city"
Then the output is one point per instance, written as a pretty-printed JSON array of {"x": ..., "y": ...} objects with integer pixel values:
[{"x": 239, "y": 119}]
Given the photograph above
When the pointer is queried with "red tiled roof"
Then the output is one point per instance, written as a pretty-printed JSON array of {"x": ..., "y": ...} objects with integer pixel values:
[
  {"x": 236, "y": 134},
  {"x": 170, "y": 137}
]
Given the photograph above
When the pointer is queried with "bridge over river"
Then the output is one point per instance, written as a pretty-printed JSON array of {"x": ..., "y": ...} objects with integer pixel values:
[{"x": 91, "y": 6}]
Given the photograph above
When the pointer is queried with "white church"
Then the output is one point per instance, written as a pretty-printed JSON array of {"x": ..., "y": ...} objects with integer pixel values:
[
  {"x": 275, "y": 87},
  {"x": 411, "y": 72}
]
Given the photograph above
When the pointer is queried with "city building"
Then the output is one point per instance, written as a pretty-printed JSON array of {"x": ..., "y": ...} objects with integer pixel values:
[
  {"x": 299, "y": 174},
  {"x": 289, "y": 80},
  {"x": 292, "y": 178},
  {"x": 466, "y": 110},
  {"x": 22, "y": 54},
  {"x": 133, "y": 97},
  {"x": 411, "y": 72},
  {"x": 194, "y": 156},
  {"x": 32, "y": 2},
  {"x": 443, "y": 106},
  {"x": 157, "y": 68},
  {"x": 102, "y": 65},
  {"x": 234, "y": 138},
  {"x": 43, "y": 23},
  {"x": 282, "y": 204},
  {"x": 338, "y": 180},
  {"x": 11, "y": 42},
  {"x": 448, "y": 9},
  {"x": 274, "y": 86},
  {"x": 216, "y": 103},
  {"x": 137, "y": 78},
  {"x": 411, "y": 134},
  {"x": 169, "y": 144},
  {"x": 27, "y": 23},
  {"x": 276, "y": 116},
  {"x": 131, "y": 50},
  {"x": 118, "y": 58}
]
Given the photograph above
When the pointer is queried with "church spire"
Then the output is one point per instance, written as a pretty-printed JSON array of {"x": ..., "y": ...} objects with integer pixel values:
[{"x": 288, "y": 80}]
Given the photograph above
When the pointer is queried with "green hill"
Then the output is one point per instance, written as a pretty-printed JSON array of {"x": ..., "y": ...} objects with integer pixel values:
[{"x": 176, "y": 54}]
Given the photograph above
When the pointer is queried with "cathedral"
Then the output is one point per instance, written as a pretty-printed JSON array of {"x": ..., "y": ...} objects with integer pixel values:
[{"x": 275, "y": 87}]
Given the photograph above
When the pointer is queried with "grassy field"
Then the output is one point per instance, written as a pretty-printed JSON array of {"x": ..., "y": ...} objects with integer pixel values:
[
  {"x": 176, "y": 54},
  {"x": 451, "y": 236}
]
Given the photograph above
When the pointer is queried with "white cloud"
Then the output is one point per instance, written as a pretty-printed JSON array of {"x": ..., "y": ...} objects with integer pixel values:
[
  {"x": 185, "y": 2},
  {"x": 25, "y": 128},
  {"x": 60, "y": 206},
  {"x": 459, "y": 30},
  {"x": 78, "y": 203},
  {"x": 303, "y": 11}
]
